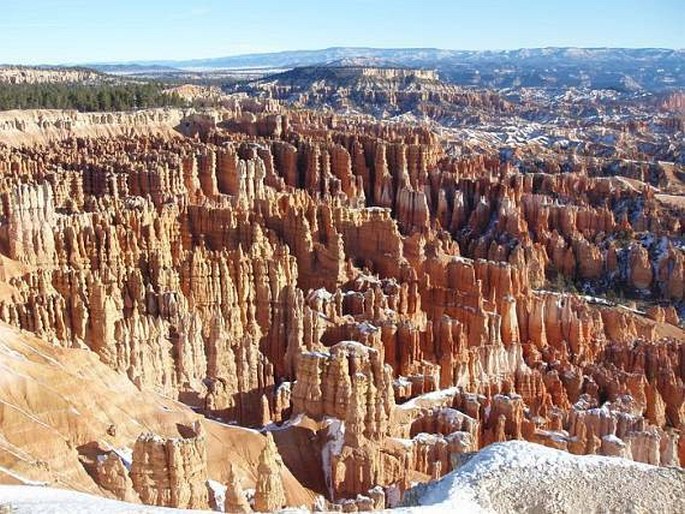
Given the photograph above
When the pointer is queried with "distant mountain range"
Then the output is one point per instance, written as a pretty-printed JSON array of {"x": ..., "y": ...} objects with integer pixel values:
[{"x": 650, "y": 69}]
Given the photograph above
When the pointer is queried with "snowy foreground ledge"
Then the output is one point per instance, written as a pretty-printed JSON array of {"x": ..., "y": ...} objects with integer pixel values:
[
  {"x": 515, "y": 476},
  {"x": 518, "y": 476}
]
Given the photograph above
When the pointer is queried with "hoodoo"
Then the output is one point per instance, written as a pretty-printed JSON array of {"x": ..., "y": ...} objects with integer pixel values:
[{"x": 351, "y": 284}]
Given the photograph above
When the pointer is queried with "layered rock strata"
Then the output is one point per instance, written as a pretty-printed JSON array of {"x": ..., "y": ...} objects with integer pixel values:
[{"x": 399, "y": 301}]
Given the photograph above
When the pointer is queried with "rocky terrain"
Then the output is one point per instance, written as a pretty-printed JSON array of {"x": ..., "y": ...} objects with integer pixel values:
[
  {"x": 378, "y": 91},
  {"x": 339, "y": 283},
  {"x": 50, "y": 74},
  {"x": 21, "y": 128},
  {"x": 571, "y": 123},
  {"x": 504, "y": 477}
]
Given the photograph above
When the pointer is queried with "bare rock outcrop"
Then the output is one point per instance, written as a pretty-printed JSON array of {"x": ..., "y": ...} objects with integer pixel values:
[
  {"x": 269, "y": 494},
  {"x": 396, "y": 297},
  {"x": 171, "y": 472},
  {"x": 235, "y": 500}
]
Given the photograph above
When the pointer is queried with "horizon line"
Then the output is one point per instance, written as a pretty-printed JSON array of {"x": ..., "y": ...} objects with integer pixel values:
[
  {"x": 125, "y": 62},
  {"x": 408, "y": 48}
]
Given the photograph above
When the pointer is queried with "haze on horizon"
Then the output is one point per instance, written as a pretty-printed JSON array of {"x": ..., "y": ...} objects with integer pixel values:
[{"x": 86, "y": 31}]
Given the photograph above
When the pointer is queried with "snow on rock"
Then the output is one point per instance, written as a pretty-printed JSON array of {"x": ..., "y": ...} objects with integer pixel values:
[
  {"x": 126, "y": 456},
  {"x": 518, "y": 476},
  {"x": 332, "y": 446},
  {"x": 367, "y": 328},
  {"x": 11, "y": 353},
  {"x": 217, "y": 492},
  {"x": 294, "y": 422},
  {"x": 321, "y": 294},
  {"x": 439, "y": 396}
]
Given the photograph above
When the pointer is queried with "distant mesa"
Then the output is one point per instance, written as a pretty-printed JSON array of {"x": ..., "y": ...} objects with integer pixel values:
[{"x": 341, "y": 71}]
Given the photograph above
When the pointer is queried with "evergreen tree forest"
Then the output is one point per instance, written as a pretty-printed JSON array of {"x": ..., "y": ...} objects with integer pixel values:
[{"x": 87, "y": 98}]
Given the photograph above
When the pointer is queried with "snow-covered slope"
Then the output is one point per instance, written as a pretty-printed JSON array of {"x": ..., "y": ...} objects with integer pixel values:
[
  {"x": 517, "y": 476},
  {"x": 508, "y": 477},
  {"x": 47, "y": 500}
]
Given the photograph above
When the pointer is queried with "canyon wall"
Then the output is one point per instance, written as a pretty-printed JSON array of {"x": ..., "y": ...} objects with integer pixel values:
[{"x": 400, "y": 303}]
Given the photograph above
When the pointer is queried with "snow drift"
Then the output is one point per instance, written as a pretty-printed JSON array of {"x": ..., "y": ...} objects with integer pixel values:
[{"x": 517, "y": 476}]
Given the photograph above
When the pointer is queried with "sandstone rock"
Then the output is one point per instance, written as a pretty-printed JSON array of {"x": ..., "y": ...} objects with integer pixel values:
[
  {"x": 281, "y": 265},
  {"x": 269, "y": 494},
  {"x": 112, "y": 474},
  {"x": 171, "y": 472},
  {"x": 235, "y": 500}
]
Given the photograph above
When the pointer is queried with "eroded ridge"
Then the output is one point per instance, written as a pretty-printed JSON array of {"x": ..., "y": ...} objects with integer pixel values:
[{"x": 401, "y": 302}]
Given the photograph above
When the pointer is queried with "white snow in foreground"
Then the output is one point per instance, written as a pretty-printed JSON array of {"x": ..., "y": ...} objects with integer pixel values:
[
  {"x": 505, "y": 477},
  {"x": 517, "y": 475},
  {"x": 48, "y": 500}
]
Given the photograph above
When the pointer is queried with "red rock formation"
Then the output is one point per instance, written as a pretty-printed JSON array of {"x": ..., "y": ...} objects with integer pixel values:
[
  {"x": 171, "y": 472},
  {"x": 321, "y": 269},
  {"x": 269, "y": 494},
  {"x": 112, "y": 475},
  {"x": 235, "y": 500}
]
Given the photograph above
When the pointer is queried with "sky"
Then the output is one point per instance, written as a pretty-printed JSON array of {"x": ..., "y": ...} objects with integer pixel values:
[{"x": 83, "y": 31}]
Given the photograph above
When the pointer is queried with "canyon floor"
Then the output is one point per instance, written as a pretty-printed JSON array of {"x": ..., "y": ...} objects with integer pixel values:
[{"x": 345, "y": 289}]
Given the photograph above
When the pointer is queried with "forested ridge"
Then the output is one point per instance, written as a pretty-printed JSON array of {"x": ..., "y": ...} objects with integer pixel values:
[{"x": 87, "y": 98}]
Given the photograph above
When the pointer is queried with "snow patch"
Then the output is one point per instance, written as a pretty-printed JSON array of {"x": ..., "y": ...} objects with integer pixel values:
[
  {"x": 335, "y": 438},
  {"x": 218, "y": 490},
  {"x": 521, "y": 476},
  {"x": 434, "y": 396}
]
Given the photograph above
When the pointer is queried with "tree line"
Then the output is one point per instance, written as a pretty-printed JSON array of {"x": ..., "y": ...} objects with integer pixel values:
[{"x": 87, "y": 98}]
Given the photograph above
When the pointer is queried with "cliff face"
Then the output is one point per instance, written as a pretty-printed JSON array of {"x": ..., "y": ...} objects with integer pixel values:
[
  {"x": 33, "y": 127},
  {"x": 373, "y": 90},
  {"x": 391, "y": 300},
  {"x": 71, "y": 422}
]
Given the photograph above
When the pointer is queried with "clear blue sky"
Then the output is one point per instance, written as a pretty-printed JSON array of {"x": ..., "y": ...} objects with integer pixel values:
[{"x": 71, "y": 31}]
